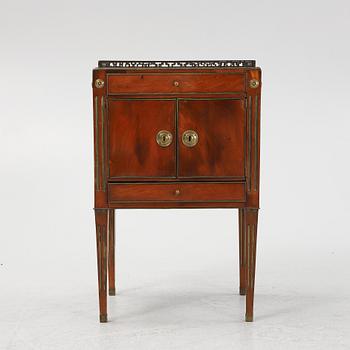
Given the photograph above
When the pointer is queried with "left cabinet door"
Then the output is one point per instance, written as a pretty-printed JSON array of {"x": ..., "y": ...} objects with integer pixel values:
[{"x": 134, "y": 150}]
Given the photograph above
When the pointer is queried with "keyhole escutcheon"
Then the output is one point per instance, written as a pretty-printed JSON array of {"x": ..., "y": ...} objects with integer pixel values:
[
  {"x": 190, "y": 138},
  {"x": 164, "y": 138}
]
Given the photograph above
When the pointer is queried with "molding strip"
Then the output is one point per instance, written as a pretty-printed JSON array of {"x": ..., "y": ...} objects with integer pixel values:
[
  {"x": 256, "y": 143},
  {"x": 97, "y": 170},
  {"x": 103, "y": 146},
  {"x": 177, "y": 146},
  {"x": 245, "y": 243},
  {"x": 253, "y": 257},
  {"x": 248, "y": 257},
  {"x": 99, "y": 247},
  {"x": 240, "y": 236},
  {"x": 249, "y": 172},
  {"x": 104, "y": 257}
]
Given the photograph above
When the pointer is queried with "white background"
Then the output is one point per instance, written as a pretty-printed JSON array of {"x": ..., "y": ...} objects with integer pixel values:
[{"x": 177, "y": 271}]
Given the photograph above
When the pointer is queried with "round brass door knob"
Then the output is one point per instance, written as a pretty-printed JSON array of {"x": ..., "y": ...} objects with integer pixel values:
[
  {"x": 164, "y": 138},
  {"x": 190, "y": 138}
]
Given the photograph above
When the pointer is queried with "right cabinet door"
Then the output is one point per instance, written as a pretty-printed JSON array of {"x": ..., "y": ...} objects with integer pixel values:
[{"x": 211, "y": 138}]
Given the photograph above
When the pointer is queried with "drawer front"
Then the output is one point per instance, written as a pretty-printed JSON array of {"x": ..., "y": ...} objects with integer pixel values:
[
  {"x": 175, "y": 83},
  {"x": 176, "y": 192}
]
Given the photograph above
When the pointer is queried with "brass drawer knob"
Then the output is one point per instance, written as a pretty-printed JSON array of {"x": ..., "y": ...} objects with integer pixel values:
[
  {"x": 176, "y": 83},
  {"x": 190, "y": 138},
  {"x": 177, "y": 192},
  {"x": 164, "y": 138}
]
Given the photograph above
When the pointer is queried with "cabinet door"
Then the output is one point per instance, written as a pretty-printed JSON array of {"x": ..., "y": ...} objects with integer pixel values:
[
  {"x": 218, "y": 126},
  {"x": 133, "y": 125}
]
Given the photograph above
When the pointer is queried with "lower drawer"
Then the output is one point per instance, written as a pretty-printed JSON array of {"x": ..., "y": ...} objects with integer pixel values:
[{"x": 176, "y": 192}]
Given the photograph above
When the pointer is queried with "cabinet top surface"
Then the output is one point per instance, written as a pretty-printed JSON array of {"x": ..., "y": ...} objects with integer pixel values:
[{"x": 177, "y": 64}]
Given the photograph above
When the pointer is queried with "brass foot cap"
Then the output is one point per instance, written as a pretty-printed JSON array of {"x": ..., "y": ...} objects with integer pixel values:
[
  {"x": 103, "y": 318},
  {"x": 249, "y": 318},
  {"x": 111, "y": 291},
  {"x": 242, "y": 291}
]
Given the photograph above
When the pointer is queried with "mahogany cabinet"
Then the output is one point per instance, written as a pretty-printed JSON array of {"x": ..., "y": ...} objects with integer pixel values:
[{"x": 176, "y": 134}]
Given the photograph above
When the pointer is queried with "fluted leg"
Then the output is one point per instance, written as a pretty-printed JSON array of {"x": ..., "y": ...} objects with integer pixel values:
[
  {"x": 111, "y": 252},
  {"x": 101, "y": 218},
  {"x": 251, "y": 224},
  {"x": 242, "y": 254}
]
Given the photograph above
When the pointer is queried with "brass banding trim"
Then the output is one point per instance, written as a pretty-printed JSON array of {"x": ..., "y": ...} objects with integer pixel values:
[
  {"x": 249, "y": 142},
  {"x": 174, "y": 73},
  {"x": 245, "y": 245},
  {"x": 105, "y": 258},
  {"x": 99, "y": 255},
  {"x": 176, "y": 137},
  {"x": 103, "y": 146},
  {"x": 253, "y": 258},
  {"x": 177, "y": 201},
  {"x": 256, "y": 143},
  {"x": 240, "y": 236},
  {"x": 97, "y": 178},
  {"x": 248, "y": 258}
]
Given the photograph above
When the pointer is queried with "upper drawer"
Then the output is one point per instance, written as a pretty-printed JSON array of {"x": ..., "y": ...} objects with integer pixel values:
[{"x": 175, "y": 83}]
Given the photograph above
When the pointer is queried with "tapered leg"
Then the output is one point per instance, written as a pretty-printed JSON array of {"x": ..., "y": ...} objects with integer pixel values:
[
  {"x": 101, "y": 218},
  {"x": 251, "y": 225},
  {"x": 242, "y": 255},
  {"x": 111, "y": 253}
]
